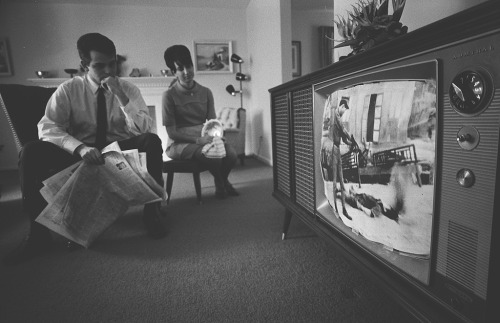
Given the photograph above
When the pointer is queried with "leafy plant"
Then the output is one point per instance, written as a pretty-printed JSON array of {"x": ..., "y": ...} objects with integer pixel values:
[{"x": 366, "y": 25}]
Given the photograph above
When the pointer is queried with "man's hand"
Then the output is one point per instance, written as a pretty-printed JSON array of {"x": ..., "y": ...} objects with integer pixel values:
[
  {"x": 114, "y": 87},
  {"x": 90, "y": 155}
]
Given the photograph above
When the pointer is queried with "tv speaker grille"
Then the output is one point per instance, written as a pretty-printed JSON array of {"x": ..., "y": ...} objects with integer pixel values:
[
  {"x": 282, "y": 144},
  {"x": 466, "y": 214},
  {"x": 461, "y": 257},
  {"x": 302, "y": 107}
]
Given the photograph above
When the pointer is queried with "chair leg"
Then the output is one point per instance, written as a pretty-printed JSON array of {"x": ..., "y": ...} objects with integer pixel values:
[
  {"x": 197, "y": 186},
  {"x": 170, "y": 180}
]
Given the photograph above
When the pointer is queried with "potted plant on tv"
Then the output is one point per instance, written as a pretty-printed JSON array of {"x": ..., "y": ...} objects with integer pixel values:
[{"x": 369, "y": 24}]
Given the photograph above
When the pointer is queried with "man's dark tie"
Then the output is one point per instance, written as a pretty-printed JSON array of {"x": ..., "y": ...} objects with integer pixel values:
[{"x": 102, "y": 119}]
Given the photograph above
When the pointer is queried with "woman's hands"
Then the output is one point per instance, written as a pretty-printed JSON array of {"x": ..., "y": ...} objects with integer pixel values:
[{"x": 202, "y": 141}]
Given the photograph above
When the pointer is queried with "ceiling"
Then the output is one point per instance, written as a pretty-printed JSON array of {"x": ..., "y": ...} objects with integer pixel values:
[{"x": 233, "y": 4}]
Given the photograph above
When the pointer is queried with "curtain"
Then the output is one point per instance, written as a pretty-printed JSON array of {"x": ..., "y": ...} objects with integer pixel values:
[{"x": 326, "y": 45}]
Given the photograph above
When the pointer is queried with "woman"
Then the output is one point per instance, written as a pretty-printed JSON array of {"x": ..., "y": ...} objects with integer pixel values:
[{"x": 187, "y": 105}]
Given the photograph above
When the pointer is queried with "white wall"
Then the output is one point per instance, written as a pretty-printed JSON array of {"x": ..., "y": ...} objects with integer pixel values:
[
  {"x": 416, "y": 14},
  {"x": 305, "y": 25},
  {"x": 42, "y": 36},
  {"x": 270, "y": 63}
]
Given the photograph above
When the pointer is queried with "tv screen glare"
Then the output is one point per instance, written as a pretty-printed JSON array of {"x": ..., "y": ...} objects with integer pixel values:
[{"x": 375, "y": 136}]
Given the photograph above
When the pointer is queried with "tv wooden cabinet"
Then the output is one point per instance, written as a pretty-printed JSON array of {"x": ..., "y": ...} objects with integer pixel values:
[{"x": 460, "y": 286}]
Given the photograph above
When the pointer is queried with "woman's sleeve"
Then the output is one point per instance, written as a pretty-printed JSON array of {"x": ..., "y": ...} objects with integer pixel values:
[
  {"x": 168, "y": 110},
  {"x": 211, "y": 106}
]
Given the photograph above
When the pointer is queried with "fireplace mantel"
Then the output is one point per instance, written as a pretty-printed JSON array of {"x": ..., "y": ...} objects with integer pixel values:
[{"x": 141, "y": 82}]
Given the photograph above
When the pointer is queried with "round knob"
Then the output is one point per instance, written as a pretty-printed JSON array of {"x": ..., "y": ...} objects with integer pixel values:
[
  {"x": 464, "y": 137},
  {"x": 465, "y": 177},
  {"x": 468, "y": 137}
]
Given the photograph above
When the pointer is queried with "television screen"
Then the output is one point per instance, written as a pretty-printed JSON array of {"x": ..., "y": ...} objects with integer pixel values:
[{"x": 375, "y": 135}]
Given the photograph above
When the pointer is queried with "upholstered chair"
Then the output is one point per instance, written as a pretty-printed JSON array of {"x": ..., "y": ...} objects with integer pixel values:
[{"x": 234, "y": 122}]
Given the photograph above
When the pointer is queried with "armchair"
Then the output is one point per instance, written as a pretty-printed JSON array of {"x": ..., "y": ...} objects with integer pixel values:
[
  {"x": 24, "y": 106},
  {"x": 234, "y": 122}
]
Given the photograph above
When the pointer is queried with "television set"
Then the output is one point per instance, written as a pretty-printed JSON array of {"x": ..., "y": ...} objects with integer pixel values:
[
  {"x": 378, "y": 185},
  {"x": 393, "y": 156}
]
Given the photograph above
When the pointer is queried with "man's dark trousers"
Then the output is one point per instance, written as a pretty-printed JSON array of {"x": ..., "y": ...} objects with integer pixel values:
[{"x": 38, "y": 160}]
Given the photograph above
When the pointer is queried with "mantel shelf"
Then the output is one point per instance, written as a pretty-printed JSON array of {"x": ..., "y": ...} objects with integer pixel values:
[{"x": 141, "y": 82}]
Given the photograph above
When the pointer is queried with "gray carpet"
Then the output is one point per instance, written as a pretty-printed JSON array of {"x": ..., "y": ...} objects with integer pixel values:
[{"x": 222, "y": 261}]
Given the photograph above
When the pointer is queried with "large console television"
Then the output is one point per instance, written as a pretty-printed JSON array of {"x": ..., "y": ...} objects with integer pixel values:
[{"x": 392, "y": 155}]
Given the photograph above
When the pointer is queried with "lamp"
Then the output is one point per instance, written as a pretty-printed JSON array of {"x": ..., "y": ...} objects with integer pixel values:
[
  {"x": 231, "y": 90},
  {"x": 239, "y": 77},
  {"x": 236, "y": 59}
]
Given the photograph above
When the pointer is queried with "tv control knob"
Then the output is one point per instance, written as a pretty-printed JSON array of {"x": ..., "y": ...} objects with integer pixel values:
[
  {"x": 468, "y": 137},
  {"x": 464, "y": 137},
  {"x": 465, "y": 177},
  {"x": 471, "y": 91}
]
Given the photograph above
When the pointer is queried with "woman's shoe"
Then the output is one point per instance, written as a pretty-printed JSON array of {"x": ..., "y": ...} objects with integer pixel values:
[
  {"x": 220, "y": 194},
  {"x": 231, "y": 191}
]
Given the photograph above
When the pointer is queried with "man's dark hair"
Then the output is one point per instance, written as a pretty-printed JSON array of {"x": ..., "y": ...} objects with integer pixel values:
[
  {"x": 344, "y": 102},
  {"x": 96, "y": 42},
  {"x": 179, "y": 54}
]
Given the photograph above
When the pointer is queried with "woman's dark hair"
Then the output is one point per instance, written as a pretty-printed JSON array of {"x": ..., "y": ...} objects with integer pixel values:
[
  {"x": 96, "y": 42},
  {"x": 179, "y": 54}
]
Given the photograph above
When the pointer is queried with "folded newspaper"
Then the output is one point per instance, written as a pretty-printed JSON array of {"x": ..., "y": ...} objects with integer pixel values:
[{"x": 84, "y": 199}]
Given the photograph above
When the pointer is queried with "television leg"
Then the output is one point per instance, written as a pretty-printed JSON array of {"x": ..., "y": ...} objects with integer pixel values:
[{"x": 286, "y": 223}]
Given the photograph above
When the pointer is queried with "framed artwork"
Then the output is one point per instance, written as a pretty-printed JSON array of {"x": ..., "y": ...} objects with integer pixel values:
[
  {"x": 5, "y": 67},
  {"x": 213, "y": 57},
  {"x": 296, "y": 59}
]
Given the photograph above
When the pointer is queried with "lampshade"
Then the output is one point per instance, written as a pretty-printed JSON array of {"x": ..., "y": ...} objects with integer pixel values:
[
  {"x": 231, "y": 90},
  {"x": 236, "y": 59},
  {"x": 241, "y": 77}
]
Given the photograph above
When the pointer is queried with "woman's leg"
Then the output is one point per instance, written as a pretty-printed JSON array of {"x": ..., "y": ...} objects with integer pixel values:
[
  {"x": 228, "y": 163},
  {"x": 220, "y": 169},
  {"x": 214, "y": 166}
]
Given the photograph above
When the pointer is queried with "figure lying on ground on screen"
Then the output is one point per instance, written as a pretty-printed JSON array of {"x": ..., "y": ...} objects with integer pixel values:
[{"x": 370, "y": 205}]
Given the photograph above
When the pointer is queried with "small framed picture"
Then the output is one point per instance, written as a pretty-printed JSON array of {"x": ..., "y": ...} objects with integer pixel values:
[
  {"x": 213, "y": 57},
  {"x": 5, "y": 67},
  {"x": 296, "y": 59}
]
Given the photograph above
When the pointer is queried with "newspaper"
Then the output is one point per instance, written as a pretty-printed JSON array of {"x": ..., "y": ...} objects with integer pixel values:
[{"x": 84, "y": 199}]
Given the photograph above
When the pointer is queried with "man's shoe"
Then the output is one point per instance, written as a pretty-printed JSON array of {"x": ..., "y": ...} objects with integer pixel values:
[
  {"x": 27, "y": 250},
  {"x": 153, "y": 224}
]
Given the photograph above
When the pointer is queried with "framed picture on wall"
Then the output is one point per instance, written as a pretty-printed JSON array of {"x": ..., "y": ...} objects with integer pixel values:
[
  {"x": 213, "y": 56},
  {"x": 296, "y": 59},
  {"x": 5, "y": 67}
]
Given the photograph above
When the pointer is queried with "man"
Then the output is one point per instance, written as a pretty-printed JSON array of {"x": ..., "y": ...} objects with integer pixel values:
[
  {"x": 337, "y": 132},
  {"x": 84, "y": 115}
]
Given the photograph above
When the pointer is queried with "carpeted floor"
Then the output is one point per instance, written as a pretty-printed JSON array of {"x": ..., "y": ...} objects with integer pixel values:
[{"x": 222, "y": 261}]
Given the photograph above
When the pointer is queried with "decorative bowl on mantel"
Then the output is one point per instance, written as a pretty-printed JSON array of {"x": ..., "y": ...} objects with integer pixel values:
[{"x": 42, "y": 74}]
